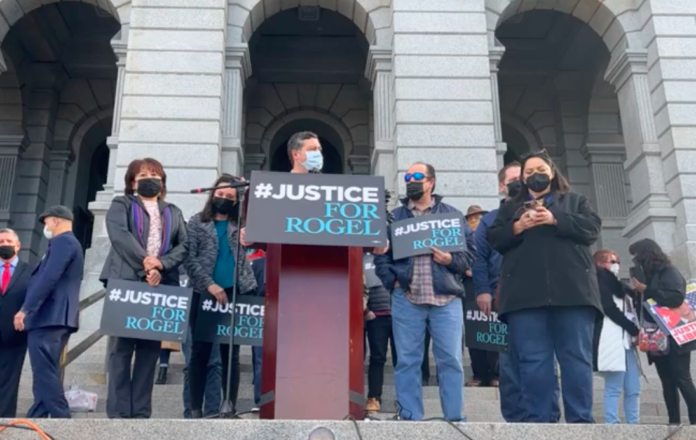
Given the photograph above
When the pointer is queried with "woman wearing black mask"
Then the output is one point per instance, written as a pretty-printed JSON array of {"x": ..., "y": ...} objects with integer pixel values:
[
  {"x": 148, "y": 244},
  {"x": 213, "y": 242},
  {"x": 548, "y": 289}
]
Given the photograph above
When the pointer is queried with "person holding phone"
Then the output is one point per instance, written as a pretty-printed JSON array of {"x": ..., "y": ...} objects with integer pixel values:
[
  {"x": 656, "y": 278},
  {"x": 549, "y": 295},
  {"x": 427, "y": 291}
]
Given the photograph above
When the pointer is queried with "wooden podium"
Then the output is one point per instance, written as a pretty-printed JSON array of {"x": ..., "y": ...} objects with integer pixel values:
[{"x": 313, "y": 333}]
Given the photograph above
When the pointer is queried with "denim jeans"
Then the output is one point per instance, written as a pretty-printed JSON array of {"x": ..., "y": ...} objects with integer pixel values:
[
  {"x": 538, "y": 334},
  {"x": 256, "y": 356},
  {"x": 213, "y": 386},
  {"x": 511, "y": 404},
  {"x": 627, "y": 381},
  {"x": 445, "y": 326}
]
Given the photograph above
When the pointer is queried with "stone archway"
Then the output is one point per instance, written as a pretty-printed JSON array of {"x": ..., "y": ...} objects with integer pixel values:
[{"x": 372, "y": 17}]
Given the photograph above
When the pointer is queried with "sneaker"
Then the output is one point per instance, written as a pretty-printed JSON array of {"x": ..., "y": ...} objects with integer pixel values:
[
  {"x": 255, "y": 409},
  {"x": 372, "y": 405}
]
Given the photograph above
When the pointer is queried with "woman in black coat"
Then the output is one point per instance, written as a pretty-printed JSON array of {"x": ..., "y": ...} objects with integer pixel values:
[
  {"x": 548, "y": 288},
  {"x": 148, "y": 244},
  {"x": 667, "y": 287}
]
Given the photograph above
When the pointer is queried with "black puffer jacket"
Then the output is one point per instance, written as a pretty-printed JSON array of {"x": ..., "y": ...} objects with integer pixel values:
[
  {"x": 547, "y": 265},
  {"x": 667, "y": 287}
]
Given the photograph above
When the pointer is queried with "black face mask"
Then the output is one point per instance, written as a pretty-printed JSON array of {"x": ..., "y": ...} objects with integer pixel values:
[
  {"x": 538, "y": 182},
  {"x": 149, "y": 187},
  {"x": 224, "y": 206},
  {"x": 7, "y": 252},
  {"x": 414, "y": 190},
  {"x": 514, "y": 188}
]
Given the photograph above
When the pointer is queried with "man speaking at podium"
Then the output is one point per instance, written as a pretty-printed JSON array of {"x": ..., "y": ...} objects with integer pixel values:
[{"x": 305, "y": 155}]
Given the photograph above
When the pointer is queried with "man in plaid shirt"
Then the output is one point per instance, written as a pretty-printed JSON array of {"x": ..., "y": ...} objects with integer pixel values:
[{"x": 427, "y": 290}]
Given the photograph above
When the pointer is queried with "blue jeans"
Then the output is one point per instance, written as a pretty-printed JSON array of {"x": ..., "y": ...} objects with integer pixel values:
[
  {"x": 627, "y": 381},
  {"x": 511, "y": 404},
  {"x": 445, "y": 325},
  {"x": 256, "y": 356},
  {"x": 213, "y": 385},
  {"x": 538, "y": 334}
]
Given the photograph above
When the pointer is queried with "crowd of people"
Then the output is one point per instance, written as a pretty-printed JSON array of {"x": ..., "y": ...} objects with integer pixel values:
[{"x": 568, "y": 312}]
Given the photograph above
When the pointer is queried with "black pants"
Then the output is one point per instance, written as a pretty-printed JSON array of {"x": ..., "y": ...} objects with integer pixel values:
[
  {"x": 11, "y": 361},
  {"x": 198, "y": 364},
  {"x": 484, "y": 365},
  {"x": 675, "y": 374},
  {"x": 380, "y": 337},
  {"x": 130, "y": 394}
]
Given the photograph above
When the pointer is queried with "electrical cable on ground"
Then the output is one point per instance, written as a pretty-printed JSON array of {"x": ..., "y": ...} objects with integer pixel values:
[
  {"x": 673, "y": 433},
  {"x": 355, "y": 424},
  {"x": 27, "y": 426}
]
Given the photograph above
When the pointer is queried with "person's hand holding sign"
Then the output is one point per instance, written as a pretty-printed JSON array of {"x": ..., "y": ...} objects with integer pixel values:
[
  {"x": 152, "y": 263},
  {"x": 154, "y": 277},
  {"x": 440, "y": 257},
  {"x": 218, "y": 292},
  {"x": 381, "y": 251}
]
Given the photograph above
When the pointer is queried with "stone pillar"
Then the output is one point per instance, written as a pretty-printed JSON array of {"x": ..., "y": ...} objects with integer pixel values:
[
  {"x": 253, "y": 162},
  {"x": 59, "y": 164},
  {"x": 672, "y": 75},
  {"x": 652, "y": 214},
  {"x": 11, "y": 147},
  {"x": 237, "y": 70},
  {"x": 379, "y": 72},
  {"x": 32, "y": 184},
  {"x": 495, "y": 54},
  {"x": 96, "y": 254},
  {"x": 444, "y": 102},
  {"x": 606, "y": 167}
]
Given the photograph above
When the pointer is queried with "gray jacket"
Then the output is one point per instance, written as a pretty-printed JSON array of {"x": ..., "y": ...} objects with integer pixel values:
[
  {"x": 125, "y": 259},
  {"x": 203, "y": 252}
]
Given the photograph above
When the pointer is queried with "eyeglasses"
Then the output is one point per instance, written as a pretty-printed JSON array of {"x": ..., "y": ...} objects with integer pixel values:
[
  {"x": 539, "y": 153},
  {"x": 415, "y": 176}
]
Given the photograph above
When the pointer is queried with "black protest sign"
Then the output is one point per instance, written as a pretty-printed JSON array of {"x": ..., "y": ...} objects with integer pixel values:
[
  {"x": 484, "y": 332},
  {"x": 138, "y": 310},
  {"x": 317, "y": 209},
  {"x": 214, "y": 319},
  {"x": 415, "y": 236}
]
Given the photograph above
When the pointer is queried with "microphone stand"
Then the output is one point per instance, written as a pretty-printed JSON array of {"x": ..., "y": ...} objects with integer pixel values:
[{"x": 227, "y": 411}]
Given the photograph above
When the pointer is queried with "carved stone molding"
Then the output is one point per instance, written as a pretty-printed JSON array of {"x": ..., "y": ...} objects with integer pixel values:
[
  {"x": 628, "y": 63},
  {"x": 359, "y": 164}
]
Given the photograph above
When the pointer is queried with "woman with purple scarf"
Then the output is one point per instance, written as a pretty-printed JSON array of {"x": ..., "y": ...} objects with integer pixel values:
[{"x": 148, "y": 244}]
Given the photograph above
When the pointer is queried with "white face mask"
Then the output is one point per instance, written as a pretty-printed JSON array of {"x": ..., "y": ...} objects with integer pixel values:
[
  {"x": 615, "y": 269},
  {"x": 48, "y": 234}
]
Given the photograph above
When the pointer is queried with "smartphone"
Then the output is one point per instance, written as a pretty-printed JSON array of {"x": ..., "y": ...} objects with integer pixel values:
[{"x": 532, "y": 204}]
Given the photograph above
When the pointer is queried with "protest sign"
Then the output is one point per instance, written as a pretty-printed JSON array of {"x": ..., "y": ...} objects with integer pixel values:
[
  {"x": 484, "y": 332},
  {"x": 416, "y": 235},
  {"x": 138, "y": 310},
  {"x": 317, "y": 209},
  {"x": 678, "y": 322},
  {"x": 214, "y": 319}
]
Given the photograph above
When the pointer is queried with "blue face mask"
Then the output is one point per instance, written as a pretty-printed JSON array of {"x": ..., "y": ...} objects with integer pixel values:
[{"x": 314, "y": 162}]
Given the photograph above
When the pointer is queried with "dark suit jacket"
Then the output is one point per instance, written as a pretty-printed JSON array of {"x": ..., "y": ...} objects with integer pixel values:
[
  {"x": 53, "y": 296},
  {"x": 11, "y": 302}
]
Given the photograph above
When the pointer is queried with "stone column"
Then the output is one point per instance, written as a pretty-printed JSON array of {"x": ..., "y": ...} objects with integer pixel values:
[
  {"x": 443, "y": 98},
  {"x": 11, "y": 147},
  {"x": 652, "y": 214},
  {"x": 59, "y": 164},
  {"x": 253, "y": 162},
  {"x": 606, "y": 167},
  {"x": 379, "y": 72},
  {"x": 495, "y": 54},
  {"x": 237, "y": 70}
]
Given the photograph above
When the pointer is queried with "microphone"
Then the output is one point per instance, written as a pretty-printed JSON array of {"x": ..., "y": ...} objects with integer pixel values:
[{"x": 240, "y": 184}]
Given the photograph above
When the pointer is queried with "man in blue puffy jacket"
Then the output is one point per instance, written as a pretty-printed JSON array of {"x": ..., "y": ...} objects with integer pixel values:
[
  {"x": 486, "y": 274},
  {"x": 427, "y": 288}
]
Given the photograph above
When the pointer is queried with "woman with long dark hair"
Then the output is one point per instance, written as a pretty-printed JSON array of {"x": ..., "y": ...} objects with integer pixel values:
[
  {"x": 548, "y": 288},
  {"x": 666, "y": 286},
  {"x": 213, "y": 246},
  {"x": 148, "y": 244}
]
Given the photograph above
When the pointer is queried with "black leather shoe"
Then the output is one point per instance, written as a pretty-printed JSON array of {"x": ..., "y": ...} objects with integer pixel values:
[
  {"x": 196, "y": 414},
  {"x": 161, "y": 376}
]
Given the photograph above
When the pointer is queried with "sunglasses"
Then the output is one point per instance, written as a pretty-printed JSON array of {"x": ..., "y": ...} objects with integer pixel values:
[{"x": 415, "y": 177}]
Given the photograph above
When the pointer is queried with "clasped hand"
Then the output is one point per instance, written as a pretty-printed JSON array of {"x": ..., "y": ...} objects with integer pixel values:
[{"x": 536, "y": 217}]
